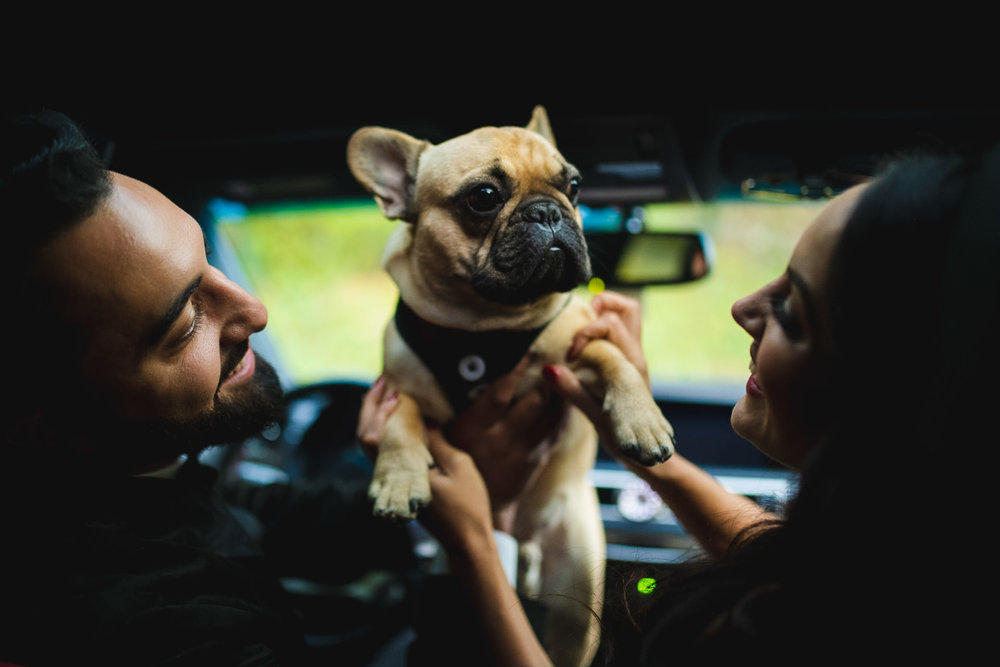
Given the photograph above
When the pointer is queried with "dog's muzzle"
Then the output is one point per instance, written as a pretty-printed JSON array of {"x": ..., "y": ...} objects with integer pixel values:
[{"x": 540, "y": 251}]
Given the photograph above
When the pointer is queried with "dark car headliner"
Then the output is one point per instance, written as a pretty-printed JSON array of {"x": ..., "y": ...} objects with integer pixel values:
[{"x": 254, "y": 150}]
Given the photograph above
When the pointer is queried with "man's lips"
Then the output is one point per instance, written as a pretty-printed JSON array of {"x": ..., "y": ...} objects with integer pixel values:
[{"x": 243, "y": 369}]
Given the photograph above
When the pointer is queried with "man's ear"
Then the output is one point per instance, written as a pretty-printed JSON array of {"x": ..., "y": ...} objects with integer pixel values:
[
  {"x": 385, "y": 162},
  {"x": 539, "y": 124}
]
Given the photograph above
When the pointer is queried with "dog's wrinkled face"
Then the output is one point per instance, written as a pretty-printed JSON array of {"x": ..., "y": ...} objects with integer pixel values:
[
  {"x": 513, "y": 197},
  {"x": 493, "y": 212}
]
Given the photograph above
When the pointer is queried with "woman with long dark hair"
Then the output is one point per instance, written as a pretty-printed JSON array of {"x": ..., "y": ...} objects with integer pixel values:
[{"x": 874, "y": 374}]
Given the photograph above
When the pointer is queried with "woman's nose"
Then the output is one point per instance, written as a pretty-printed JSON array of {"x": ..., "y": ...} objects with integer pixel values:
[{"x": 749, "y": 313}]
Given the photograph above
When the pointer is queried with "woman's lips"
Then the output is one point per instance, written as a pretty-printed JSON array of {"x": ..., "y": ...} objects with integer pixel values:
[
  {"x": 243, "y": 370},
  {"x": 753, "y": 389}
]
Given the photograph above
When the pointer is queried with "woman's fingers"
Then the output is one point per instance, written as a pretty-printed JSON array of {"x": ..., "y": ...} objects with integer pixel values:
[
  {"x": 619, "y": 321},
  {"x": 496, "y": 408},
  {"x": 500, "y": 393},
  {"x": 609, "y": 326},
  {"x": 377, "y": 405},
  {"x": 627, "y": 308}
]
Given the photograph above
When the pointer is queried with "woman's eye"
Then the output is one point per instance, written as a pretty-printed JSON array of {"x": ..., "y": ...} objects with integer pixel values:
[
  {"x": 782, "y": 313},
  {"x": 484, "y": 199}
]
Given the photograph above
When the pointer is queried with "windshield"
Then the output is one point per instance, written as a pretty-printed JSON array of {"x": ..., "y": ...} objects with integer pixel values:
[{"x": 317, "y": 266}]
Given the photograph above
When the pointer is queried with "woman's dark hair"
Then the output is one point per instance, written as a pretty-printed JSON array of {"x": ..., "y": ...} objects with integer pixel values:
[
  {"x": 51, "y": 177},
  {"x": 885, "y": 538}
]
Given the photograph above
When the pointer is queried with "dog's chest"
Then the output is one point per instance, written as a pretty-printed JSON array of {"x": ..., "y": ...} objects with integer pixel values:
[{"x": 463, "y": 362}]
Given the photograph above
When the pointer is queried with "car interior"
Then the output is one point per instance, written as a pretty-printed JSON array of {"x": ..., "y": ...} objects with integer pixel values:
[{"x": 673, "y": 200}]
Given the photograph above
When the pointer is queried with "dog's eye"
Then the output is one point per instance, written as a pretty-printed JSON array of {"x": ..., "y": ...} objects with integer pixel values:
[
  {"x": 484, "y": 199},
  {"x": 573, "y": 191}
]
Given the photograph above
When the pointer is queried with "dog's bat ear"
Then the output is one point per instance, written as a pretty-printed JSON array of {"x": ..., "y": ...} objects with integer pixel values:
[
  {"x": 385, "y": 162},
  {"x": 539, "y": 124}
]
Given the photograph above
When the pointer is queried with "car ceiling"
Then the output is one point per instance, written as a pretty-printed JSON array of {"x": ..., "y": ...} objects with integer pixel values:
[{"x": 639, "y": 151}]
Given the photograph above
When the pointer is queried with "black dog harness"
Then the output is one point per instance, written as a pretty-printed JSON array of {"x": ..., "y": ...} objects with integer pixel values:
[{"x": 463, "y": 362}]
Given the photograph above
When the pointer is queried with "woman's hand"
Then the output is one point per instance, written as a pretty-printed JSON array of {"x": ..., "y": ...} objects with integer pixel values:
[
  {"x": 378, "y": 403},
  {"x": 619, "y": 320},
  {"x": 459, "y": 514},
  {"x": 459, "y": 517},
  {"x": 509, "y": 439}
]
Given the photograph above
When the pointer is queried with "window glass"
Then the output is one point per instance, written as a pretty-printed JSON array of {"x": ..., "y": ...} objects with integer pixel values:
[
  {"x": 317, "y": 267},
  {"x": 689, "y": 335}
]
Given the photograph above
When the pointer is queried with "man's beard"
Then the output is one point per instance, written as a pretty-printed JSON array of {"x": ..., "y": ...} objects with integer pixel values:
[{"x": 248, "y": 410}]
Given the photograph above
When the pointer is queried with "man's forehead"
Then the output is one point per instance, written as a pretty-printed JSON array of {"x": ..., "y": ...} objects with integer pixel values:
[{"x": 124, "y": 256}]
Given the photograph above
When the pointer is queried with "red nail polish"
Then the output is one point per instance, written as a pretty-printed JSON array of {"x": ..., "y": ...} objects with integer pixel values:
[{"x": 551, "y": 373}]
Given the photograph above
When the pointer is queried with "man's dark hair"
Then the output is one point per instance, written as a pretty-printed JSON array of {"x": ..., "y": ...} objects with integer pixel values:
[{"x": 51, "y": 177}]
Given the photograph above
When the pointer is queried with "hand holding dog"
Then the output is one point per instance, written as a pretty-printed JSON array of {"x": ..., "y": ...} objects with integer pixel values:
[
  {"x": 509, "y": 440},
  {"x": 378, "y": 403},
  {"x": 461, "y": 518},
  {"x": 619, "y": 320}
]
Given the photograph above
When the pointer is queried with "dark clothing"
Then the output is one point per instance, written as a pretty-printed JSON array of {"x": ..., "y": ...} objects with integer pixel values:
[
  {"x": 146, "y": 571},
  {"x": 140, "y": 571}
]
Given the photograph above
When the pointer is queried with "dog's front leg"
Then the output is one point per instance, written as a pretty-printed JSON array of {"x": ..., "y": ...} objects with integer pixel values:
[
  {"x": 637, "y": 424},
  {"x": 399, "y": 486}
]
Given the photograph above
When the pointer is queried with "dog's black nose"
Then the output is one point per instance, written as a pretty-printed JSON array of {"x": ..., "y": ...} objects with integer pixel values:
[{"x": 542, "y": 212}]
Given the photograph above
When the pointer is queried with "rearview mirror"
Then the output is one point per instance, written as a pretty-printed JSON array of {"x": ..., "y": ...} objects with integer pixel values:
[{"x": 623, "y": 259}]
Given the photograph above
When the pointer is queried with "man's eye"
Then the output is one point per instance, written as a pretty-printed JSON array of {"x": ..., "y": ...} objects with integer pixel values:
[
  {"x": 484, "y": 199},
  {"x": 195, "y": 325}
]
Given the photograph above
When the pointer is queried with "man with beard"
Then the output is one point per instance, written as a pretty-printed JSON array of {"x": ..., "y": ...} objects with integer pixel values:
[{"x": 127, "y": 354}]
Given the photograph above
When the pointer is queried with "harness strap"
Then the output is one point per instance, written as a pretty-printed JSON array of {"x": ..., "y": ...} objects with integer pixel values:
[{"x": 463, "y": 362}]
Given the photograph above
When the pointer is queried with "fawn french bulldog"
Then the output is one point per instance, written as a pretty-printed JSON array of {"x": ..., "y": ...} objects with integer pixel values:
[{"x": 490, "y": 249}]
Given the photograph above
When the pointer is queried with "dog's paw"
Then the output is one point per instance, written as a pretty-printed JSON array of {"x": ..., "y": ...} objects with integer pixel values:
[
  {"x": 641, "y": 431},
  {"x": 400, "y": 487}
]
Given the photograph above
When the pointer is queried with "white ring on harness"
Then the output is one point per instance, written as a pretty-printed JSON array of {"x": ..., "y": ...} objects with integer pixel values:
[{"x": 471, "y": 367}]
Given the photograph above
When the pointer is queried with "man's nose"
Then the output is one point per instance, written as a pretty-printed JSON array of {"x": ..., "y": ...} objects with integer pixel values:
[{"x": 241, "y": 313}]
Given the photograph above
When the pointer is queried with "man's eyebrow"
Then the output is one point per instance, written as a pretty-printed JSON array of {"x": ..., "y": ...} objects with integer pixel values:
[{"x": 173, "y": 311}]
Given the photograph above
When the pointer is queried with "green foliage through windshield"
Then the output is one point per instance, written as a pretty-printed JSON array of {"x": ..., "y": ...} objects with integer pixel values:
[{"x": 317, "y": 267}]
